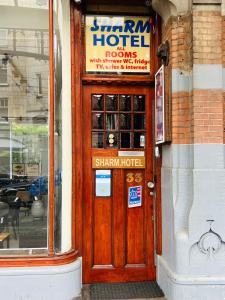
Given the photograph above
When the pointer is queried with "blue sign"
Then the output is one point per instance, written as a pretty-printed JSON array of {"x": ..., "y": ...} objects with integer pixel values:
[{"x": 135, "y": 196}]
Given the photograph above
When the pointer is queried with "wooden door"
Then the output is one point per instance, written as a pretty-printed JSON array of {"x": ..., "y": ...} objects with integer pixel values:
[{"x": 117, "y": 240}]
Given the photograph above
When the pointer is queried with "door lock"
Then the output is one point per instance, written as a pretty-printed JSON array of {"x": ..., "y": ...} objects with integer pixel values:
[{"x": 151, "y": 185}]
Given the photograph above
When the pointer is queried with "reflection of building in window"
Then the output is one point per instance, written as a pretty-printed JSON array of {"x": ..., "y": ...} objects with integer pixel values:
[
  {"x": 3, "y": 38},
  {"x": 24, "y": 42},
  {"x": 39, "y": 41},
  {"x": 3, "y": 108},
  {"x": 3, "y": 73},
  {"x": 41, "y": 4},
  {"x": 24, "y": 116},
  {"x": 39, "y": 86}
]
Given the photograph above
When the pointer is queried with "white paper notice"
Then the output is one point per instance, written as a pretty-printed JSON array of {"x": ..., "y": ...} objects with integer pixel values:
[{"x": 103, "y": 183}]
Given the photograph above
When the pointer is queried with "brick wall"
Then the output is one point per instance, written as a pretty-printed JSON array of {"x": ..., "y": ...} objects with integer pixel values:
[
  {"x": 207, "y": 116},
  {"x": 223, "y": 61},
  {"x": 207, "y": 36},
  {"x": 198, "y": 115},
  {"x": 181, "y": 118},
  {"x": 207, "y": 104},
  {"x": 178, "y": 31},
  {"x": 181, "y": 47}
]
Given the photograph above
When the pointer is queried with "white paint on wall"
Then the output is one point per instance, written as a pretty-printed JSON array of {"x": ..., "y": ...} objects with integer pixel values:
[
  {"x": 207, "y": 76},
  {"x": 41, "y": 283},
  {"x": 193, "y": 209},
  {"x": 224, "y": 79},
  {"x": 181, "y": 81},
  {"x": 181, "y": 287}
]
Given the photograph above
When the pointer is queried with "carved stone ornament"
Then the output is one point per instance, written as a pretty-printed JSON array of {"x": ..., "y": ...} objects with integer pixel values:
[
  {"x": 209, "y": 243},
  {"x": 210, "y": 247},
  {"x": 168, "y": 8}
]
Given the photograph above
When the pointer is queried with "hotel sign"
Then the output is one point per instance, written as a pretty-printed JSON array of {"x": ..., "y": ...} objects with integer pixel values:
[
  {"x": 131, "y": 162},
  {"x": 117, "y": 44}
]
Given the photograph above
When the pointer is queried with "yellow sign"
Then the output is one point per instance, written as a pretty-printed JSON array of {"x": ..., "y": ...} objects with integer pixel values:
[
  {"x": 117, "y": 44},
  {"x": 132, "y": 162}
]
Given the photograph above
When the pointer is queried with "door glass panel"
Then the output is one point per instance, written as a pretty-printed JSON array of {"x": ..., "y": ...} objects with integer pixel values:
[
  {"x": 139, "y": 121},
  {"x": 125, "y": 102},
  {"x": 97, "y": 139},
  {"x": 125, "y": 121},
  {"x": 139, "y": 103},
  {"x": 111, "y": 102},
  {"x": 139, "y": 139},
  {"x": 112, "y": 122},
  {"x": 97, "y": 121},
  {"x": 112, "y": 140},
  {"x": 119, "y": 120},
  {"x": 125, "y": 138},
  {"x": 97, "y": 102}
]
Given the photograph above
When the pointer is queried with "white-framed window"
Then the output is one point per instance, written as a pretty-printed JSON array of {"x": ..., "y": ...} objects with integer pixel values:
[
  {"x": 3, "y": 72},
  {"x": 3, "y": 102},
  {"x": 4, "y": 108},
  {"x": 4, "y": 38},
  {"x": 39, "y": 85},
  {"x": 38, "y": 41}
]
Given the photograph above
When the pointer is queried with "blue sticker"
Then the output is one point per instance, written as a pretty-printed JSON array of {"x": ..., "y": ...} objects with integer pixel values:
[{"x": 135, "y": 196}]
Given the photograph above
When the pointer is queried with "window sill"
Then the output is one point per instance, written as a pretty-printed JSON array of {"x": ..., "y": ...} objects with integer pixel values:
[
  {"x": 24, "y": 252},
  {"x": 38, "y": 260}
]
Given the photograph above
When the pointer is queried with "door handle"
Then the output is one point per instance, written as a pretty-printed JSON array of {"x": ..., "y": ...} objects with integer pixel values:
[{"x": 151, "y": 185}]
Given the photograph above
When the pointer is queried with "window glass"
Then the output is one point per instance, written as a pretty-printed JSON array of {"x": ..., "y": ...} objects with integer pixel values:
[
  {"x": 58, "y": 123},
  {"x": 119, "y": 122},
  {"x": 24, "y": 125},
  {"x": 63, "y": 128}
]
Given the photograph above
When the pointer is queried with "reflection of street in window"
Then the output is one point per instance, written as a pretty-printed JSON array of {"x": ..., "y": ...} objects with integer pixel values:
[{"x": 24, "y": 135}]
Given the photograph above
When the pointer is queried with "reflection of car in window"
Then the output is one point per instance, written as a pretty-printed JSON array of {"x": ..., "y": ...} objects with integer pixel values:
[
  {"x": 39, "y": 186},
  {"x": 10, "y": 187}
]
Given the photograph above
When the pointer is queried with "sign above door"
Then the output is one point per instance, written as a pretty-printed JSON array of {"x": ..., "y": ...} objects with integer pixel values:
[{"x": 117, "y": 44}]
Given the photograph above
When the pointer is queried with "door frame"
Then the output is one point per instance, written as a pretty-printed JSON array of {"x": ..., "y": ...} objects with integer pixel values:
[{"x": 79, "y": 78}]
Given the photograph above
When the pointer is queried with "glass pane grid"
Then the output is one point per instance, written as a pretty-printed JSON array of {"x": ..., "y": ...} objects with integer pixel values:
[
  {"x": 111, "y": 103},
  {"x": 118, "y": 121},
  {"x": 97, "y": 102}
]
